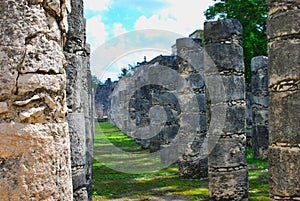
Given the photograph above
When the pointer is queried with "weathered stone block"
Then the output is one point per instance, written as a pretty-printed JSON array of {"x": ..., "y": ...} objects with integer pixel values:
[
  {"x": 80, "y": 194},
  {"x": 260, "y": 141},
  {"x": 78, "y": 177},
  {"x": 235, "y": 119},
  {"x": 280, "y": 6},
  {"x": 190, "y": 167},
  {"x": 260, "y": 100},
  {"x": 43, "y": 55},
  {"x": 32, "y": 19},
  {"x": 278, "y": 26},
  {"x": 285, "y": 111},
  {"x": 225, "y": 30},
  {"x": 31, "y": 82},
  {"x": 229, "y": 186},
  {"x": 284, "y": 163},
  {"x": 77, "y": 136},
  {"x": 229, "y": 152},
  {"x": 284, "y": 53},
  {"x": 226, "y": 91},
  {"x": 224, "y": 63},
  {"x": 35, "y": 161},
  {"x": 260, "y": 116}
]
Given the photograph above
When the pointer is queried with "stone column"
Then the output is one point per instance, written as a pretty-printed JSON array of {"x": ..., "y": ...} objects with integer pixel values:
[
  {"x": 227, "y": 166},
  {"x": 259, "y": 85},
  {"x": 190, "y": 61},
  {"x": 34, "y": 140},
  {"x": 78, "y": 100},
  {"x": 90, "y": 123},
  {"x": 283, "y": 30},
  {"x": 249, "y": 114}
]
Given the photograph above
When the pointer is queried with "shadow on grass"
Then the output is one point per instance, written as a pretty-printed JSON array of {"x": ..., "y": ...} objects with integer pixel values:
[{"x": 112, "y": 184}]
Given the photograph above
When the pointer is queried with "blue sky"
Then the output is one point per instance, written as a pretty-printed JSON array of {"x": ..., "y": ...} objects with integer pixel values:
[{"x": 107, "y": 20}]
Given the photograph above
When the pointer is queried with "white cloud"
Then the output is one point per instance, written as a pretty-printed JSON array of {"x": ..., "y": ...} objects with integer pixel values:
[
  {"x": 181, "y": 17},
  {"x": 97, "y": 5},
  {"x": 118, "y": 29},
  {"x": 114, "y": 69},
  {"x": 96, "y": 32}
]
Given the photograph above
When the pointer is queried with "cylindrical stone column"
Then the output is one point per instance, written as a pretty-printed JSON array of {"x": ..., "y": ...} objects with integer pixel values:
[
  {"x": 227, "y": 166},
  {"x": 259, "y": 86},
  {"x": 34, "y": 139},
  {"x": 79, "y": 102},
  {"x": 283, "y": 30},
  {"x": 190, "y": 60}
]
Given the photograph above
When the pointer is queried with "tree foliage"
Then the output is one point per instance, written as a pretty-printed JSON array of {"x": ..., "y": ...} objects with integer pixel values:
[
  {"x": 253, "y": 16},
  {"x": 96, "y": 82}
]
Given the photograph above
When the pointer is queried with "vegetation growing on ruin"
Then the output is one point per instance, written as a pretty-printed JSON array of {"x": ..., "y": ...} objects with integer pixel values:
[{"x": 163, "y": 184}]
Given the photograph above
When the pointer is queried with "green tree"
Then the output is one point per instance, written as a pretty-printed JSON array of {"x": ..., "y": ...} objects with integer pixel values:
[
  {"x": 253, "y": 16},
  {"x": 96, "y": 82}
]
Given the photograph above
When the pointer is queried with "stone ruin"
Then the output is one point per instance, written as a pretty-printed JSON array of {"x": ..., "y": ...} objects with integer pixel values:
[
  {"x": 80, "y": 101},
  {"x": 185, "y": 121},
  {"x": 102, "y": 99},
  {"x": 46, "y": 114},
  {"x": 227, "y": 166},
  {"x": 46, "y": 131},
  {"x": 259, "y": 104}
]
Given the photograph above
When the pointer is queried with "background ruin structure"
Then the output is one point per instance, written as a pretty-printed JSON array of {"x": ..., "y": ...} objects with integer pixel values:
[
  {"x": 190, "y": 61},
  {"x": 283, "y": 30},
  {"x": 259, "y": 104},
  {"x": 103, "y": 100}
]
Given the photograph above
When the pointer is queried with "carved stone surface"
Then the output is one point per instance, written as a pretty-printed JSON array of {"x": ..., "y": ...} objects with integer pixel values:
[
  {"x": 260, "y": 103},
  {"x": 35, "y": 162},
  {"x": 227, "y": 166},
  {"x": 284, "y": 96}
]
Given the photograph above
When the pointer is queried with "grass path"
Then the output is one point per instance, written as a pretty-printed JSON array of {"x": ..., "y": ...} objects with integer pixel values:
[{"x": 165, "y": 184}]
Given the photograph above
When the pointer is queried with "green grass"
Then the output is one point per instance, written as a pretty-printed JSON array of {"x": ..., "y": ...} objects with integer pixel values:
[{"x": 109, "y": 183}]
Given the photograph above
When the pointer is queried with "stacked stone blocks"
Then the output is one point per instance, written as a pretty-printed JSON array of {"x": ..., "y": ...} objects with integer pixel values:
[
  {"x": 227, "y": 166},
  {"x": 35, "y": 162},
  {"x": 283, "y": 30}
]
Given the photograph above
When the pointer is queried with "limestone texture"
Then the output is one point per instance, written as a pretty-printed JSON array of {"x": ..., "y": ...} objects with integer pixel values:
[
  {"x": 283, "y": 31},
  {"x": 79, "y": 102},
  {"x": 35, "y": 160},
  {"x": 227, "y": 166},
  {"x": 192, "y": 163},
  {"x": 260, "y": 103}
]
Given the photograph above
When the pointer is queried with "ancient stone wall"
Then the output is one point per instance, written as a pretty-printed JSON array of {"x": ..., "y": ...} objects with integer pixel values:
[
  {"x": 142, "y": 93},
  {"x": 260, "y": 103},
  {"x": 103, "y": 100},
  {"x": 79, "y": 102},
  {"x": 35, "y": 145},
  {"x": 227, "y": 166},
  {"x": 283, "y": 30}
]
